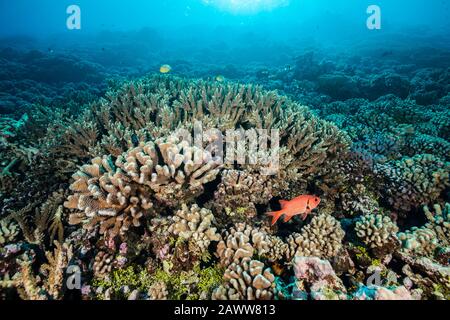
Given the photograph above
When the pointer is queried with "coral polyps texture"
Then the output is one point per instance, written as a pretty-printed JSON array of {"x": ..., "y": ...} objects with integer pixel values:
[
  {"x": 117, "y": 195},
  {"x": 129, "y": 194}
]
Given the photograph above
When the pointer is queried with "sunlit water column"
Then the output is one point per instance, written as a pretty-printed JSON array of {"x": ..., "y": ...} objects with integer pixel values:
[{"x": 246, "y": 6}]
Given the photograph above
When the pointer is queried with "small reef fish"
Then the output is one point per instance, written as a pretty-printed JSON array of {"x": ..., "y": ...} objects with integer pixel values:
[
  {"x": 301, "y": 205},
  {"x": 220, "y": 78},
  {"x": 165, "y": 68}
]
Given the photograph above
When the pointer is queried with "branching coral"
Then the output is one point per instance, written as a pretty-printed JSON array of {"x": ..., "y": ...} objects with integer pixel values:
[
  {"x": 376, "y": 230},
  {"x": 243, "y": 241},
  {"x": 196, "y": 226},
  {"x": 382, "y": 293},
  {"x": 193, "y": 225},
  {"x": 8, "y": 231},
  {"x": 117, "y": 195},
  {"x": 49, "y": 283},
  {"x": 322, "y": 238},
  {"x": 239, "y": 192},
  {"x": 246, "y": 280},
  {"x": 411, "y": 182},
  {"x": 436, "y": 232},
  {"x": 55, "y": 269},
  {"x": 158, "y": 291}
]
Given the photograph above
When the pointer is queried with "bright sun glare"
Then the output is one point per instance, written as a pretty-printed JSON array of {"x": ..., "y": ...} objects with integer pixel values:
[{"x": 246, "y": 6}]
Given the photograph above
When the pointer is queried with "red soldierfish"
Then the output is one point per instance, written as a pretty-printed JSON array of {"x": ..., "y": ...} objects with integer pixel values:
[{"x": 303, "y": 205}]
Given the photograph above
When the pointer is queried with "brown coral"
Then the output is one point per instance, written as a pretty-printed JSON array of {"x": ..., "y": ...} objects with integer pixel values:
[
  {"x": 376, "y": 230},
  {"x": 118, "y": 195},
  {"x": 322, "y": 238},
  {"x": 246, "y": 280}
]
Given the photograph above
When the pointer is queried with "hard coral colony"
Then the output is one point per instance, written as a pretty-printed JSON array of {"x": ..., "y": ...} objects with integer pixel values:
[{"x": 143, "y": 214}]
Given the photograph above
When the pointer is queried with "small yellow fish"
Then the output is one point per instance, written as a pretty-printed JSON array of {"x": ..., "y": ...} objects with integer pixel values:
[
  {"x": 165, "y": 68},
  {"x": 220, "y": 78}
]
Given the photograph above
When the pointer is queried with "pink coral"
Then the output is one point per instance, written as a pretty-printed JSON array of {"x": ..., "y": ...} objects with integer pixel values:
[{"x": 312, "y": 267}]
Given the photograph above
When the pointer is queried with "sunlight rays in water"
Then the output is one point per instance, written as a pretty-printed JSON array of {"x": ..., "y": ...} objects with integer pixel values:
[{"x": 246, "y": 6}]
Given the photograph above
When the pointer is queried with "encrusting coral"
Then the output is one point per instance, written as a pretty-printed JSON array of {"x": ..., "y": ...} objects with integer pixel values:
[{"x": 318, "y": 278}]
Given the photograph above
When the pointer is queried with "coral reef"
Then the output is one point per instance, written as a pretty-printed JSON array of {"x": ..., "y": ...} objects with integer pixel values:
[
  {"x": 151, "y": 188},
  {"x": 376, "y": 230},
  {"x": 246, "y": 280},
  {"x": 321, "y": 238},
  {"x": 426, "y": 239},
  {"x": 118, "y": 194},
  {"x": 317, "y": 277},
  {"x": 412, "y": 182}
]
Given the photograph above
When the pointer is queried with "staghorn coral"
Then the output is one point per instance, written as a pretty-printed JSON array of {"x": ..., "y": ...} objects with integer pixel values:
[
  {"x": 48, "y": 284},
  {"x": 246, "y": 280},
  {"x": 54, "y": 270},
  {"x": 322, "y": 238},
  {"x": 376, "y": 230},
  {"x": 411, "y": 182},
  {"x": 46, "y": 221},
  {"x": 26, "y": 283}
]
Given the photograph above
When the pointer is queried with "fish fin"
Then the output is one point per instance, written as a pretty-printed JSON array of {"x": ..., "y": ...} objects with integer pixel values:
[
  {"x": 305, "y": 215},
  {"x": 283, "y": 203},
  {"x": 275, "y": 216},
  {"x": 287, "y": 218}
]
